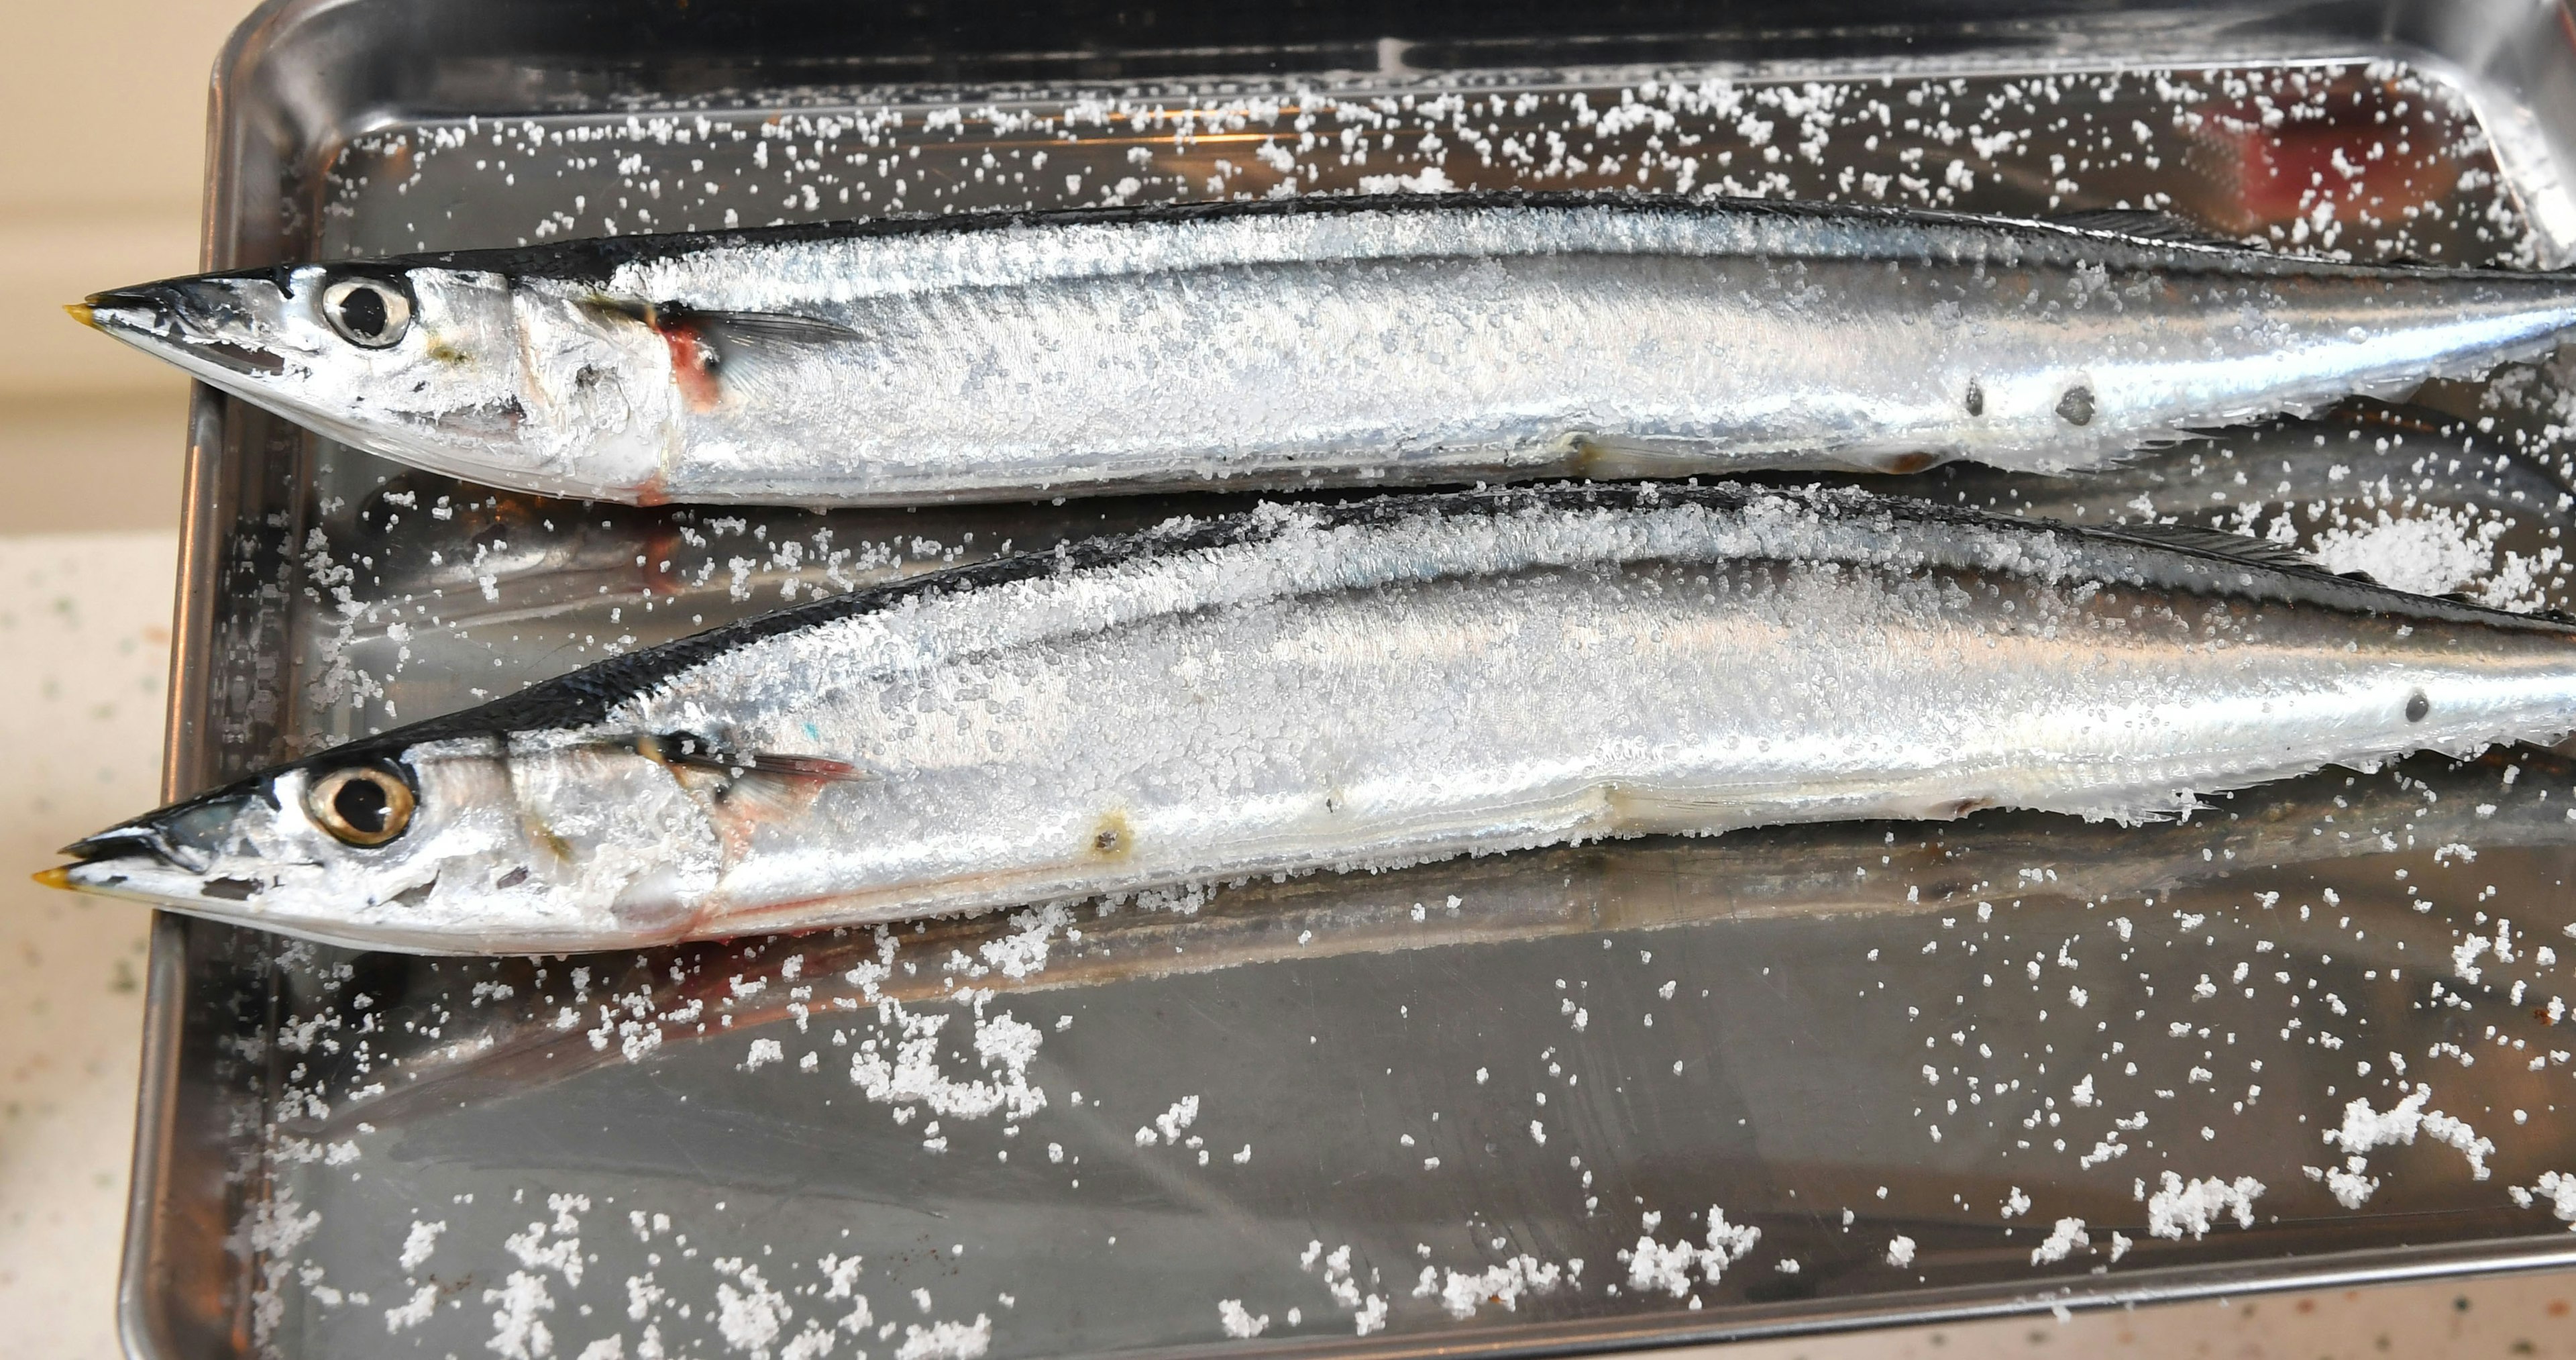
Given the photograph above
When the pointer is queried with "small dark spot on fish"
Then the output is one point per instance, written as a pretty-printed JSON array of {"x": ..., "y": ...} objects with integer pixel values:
[
  {"x": 230, "y": 889},
  {"x": 2076, "y": 407},
  {"x": 2417, "y": 706},
  {"x": 1112, "y": 837},
  {"x": 1106, "y": 842},
  {"x": 1976, "y": 398},
  {"x": 513, "y": 878},
  {"x": 544, "y": 835}
]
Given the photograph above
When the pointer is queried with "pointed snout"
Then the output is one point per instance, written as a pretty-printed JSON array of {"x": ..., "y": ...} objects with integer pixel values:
[
  {"x": 191, "y": 322},
  {"x": 185, "y": 836},
  {"x": 114, "y": 857},
  {"x": 97, "y": 875},
  {"x": 110, "y": 868},
  {"x": 163, "y": 856},
  {"x": 153, "y": 309}
]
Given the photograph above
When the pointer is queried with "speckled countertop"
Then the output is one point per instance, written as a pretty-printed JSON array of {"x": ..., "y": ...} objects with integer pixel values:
[{"x": 85, "y": 627}]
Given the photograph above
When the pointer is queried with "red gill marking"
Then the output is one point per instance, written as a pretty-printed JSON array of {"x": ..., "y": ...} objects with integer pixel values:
[{"x": 692, "y": 363}]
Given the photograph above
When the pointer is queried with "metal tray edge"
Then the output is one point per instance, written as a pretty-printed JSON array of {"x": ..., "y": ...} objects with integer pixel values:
[
  {"x": 1663, "y": 1333},
  {"x": 144, "y": 1324}
]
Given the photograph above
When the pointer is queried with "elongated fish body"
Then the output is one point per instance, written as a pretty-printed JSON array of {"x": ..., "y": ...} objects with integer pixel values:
[
  {"x": 1394, "y": 680},
  {"x": 1654, "y": 883},
  {"x": 1324, "y": 342}
]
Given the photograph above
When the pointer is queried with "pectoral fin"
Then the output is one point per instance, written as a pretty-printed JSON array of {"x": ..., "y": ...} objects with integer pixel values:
[{"x": 704, "y": 344}]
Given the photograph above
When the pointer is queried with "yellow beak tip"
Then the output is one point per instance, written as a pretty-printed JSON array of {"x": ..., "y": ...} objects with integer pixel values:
[
  {"x": 60, "y": 876},
  {"x": 80, "y": 312}
]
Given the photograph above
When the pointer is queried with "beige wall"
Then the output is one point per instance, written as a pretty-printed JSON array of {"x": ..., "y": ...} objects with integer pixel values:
[{"x": 104, "y": 102}]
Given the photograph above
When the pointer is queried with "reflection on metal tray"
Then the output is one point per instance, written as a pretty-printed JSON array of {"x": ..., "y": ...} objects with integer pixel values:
[{"x": 1613, "y": 1095}]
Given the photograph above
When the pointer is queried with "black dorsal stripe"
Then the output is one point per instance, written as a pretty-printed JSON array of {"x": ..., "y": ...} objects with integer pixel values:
[{"x": 594, "y": 260}]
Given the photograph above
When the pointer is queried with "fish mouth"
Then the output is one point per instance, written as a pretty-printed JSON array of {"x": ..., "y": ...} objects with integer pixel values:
[
  {"x": 185, "y": 319},
  {"x": 181, "y": 843},
  {"x": 149, "y": 864},
  {"x": 134, "y": 861},
  {"x": 153, "y": 309},
  {"x": 146, "y": 838},
  {"x": 140, "y": 877}
]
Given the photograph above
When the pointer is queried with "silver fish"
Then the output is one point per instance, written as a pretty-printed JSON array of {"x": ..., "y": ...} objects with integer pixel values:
[
  {"x": 1324, "y": 342},
  {"x": 1372, "y": 684},
  {"x": 1654, "y": 883}
]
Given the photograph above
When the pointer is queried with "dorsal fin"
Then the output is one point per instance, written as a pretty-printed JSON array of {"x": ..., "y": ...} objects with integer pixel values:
[
  {"x": 2147, "y": 224},
  {"x": 2259, "y": 552}
]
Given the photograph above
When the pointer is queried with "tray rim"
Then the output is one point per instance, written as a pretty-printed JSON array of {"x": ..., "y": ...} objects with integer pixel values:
[{"x": 143, "y": 1323}]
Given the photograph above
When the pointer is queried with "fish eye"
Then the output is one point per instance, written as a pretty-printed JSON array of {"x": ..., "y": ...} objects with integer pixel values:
[
  {"x": 366, "y": 312},
  {"x": 362, "y": 805}
]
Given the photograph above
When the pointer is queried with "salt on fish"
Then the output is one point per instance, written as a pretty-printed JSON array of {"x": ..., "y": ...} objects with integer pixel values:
[
  {"x": 1335, "y": 341},
  {"x": 1390, "y": 681}
]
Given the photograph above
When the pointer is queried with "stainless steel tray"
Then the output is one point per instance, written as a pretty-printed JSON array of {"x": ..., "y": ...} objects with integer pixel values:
[{"x": 1447, "y": 1085}]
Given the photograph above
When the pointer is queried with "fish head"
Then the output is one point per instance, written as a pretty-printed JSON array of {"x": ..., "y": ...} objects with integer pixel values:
[
  {"x": 454, "y": 845},
  {"x": 522, "y": 383}
]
